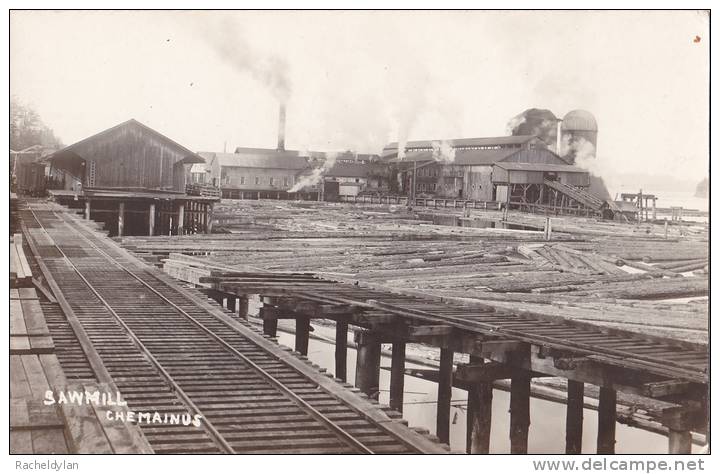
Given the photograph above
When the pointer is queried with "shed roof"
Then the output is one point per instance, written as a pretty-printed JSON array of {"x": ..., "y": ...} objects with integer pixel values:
[
  {"x": 244, "y": 159},
  {"x": 349, "y": 170},
  {"x": 539, "y": 167},
  {"x": 71, "y": 151}
]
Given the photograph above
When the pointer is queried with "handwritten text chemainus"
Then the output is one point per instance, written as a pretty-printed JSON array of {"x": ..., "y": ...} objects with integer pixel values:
[{"x": 109, "y": 399}]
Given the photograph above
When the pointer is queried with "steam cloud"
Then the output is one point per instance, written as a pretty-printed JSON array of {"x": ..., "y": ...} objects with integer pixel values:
[
  {"x": 443, "y": 151},
  {"x": 316, "y": 175}
]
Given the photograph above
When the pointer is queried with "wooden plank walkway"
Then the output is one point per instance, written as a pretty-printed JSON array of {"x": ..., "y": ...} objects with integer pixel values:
[{"x": 40, "y": 428}]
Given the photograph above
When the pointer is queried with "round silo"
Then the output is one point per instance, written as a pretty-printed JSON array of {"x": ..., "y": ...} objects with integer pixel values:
[{"x": 579, "y": 135}]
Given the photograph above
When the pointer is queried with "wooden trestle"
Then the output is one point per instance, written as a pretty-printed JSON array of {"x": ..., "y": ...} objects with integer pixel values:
[{"x": 501, "y": 345}]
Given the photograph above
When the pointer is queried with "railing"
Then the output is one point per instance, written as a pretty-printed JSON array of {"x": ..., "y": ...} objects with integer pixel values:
[
  {"x": 577, "y": 194},
  {"x": 422, "y": 202},
  {"x": 195, "y": 189}
]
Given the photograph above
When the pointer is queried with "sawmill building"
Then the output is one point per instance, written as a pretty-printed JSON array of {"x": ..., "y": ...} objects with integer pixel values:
[{"x": 133, "y": 179}]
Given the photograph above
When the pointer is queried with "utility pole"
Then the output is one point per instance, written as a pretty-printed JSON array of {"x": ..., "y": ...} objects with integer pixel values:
[{"x": 414, "y": 181}]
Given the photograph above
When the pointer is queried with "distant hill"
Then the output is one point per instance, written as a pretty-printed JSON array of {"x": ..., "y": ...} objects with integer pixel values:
[{"x": 701, "y": 191}]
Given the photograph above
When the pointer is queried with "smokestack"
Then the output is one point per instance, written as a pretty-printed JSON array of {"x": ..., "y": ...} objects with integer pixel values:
[{"x": 281, "y": 129}]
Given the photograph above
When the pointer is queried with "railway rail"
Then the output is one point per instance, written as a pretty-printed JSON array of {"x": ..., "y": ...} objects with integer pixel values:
[
  {"x": 169, "y": 353},
  {"x": 664, "y": 358}
]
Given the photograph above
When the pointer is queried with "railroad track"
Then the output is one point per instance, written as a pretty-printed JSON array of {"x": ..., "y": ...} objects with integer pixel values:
[
  {"x": 616, "y": 348},
  {"x": 168, "y": 354},
  {"x": 664, "y": 358}
]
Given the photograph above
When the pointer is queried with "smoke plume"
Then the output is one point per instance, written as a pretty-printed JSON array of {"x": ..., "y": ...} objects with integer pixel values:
[
  {"x": 271, "y": 71},
  {"x": 443, "y": 151},
  {"x": 316, "y": 175},
  {"x": 541, "y": 123}
]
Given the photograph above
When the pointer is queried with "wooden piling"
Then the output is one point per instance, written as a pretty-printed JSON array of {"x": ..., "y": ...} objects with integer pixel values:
[
  {"x": 397, "y": 376},
  {"x": 232, "y": 304},
  {"x": 242, "y": 304},
  {"x": 519, "y": 414},
  {"x": 444, "y": 395},
  {"x": 121, "y": 218},
  {"x": 302, "y": 334},
  {"x": 269, "y": 320},
  {"x": 151, "y": 220},
  {"x": 87, "y": 209},
  {"x": 181, "y": 219},
  {"x": 270, "y": 327},
  {"x": 341, "y": 330},
  {"x": 367, "y": 370},
  {"x": 679, "y": 442},
  {"x": 606, "y": 421},
  {"x": 574, "y": 420},
  {"x": 479, "y": 414}
]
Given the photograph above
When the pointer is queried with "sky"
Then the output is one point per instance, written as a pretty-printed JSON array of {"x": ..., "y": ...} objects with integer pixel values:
[{"x": 358, "y": 80}]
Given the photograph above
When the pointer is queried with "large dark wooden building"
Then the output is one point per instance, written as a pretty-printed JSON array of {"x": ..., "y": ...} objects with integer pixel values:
[
  {"x": 519, "y": 171},
  {"x": 133, "y": 179}
]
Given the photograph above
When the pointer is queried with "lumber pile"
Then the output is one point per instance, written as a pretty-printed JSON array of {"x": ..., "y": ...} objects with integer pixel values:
[
  {"x": 616, "y": 266},
  {"x": 20, "y": 271}
]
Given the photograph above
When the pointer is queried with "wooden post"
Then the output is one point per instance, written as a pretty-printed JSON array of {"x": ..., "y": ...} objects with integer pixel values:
[
  {"x": 242, "y": 304},
  {"x": 606, "y": 421},
  {"x": 479, "y": 415},
  {"x": 232, "y": 304},
  {"x": 209, "y": 218},
  {"x": 269, "y": 323},
  {"x": 302, "y": 334},
  {"x": 121, "y": 218},
  {"x": 367, "y": 371},
  {"x": 341, "y": 330},
  {"x": 87, "y": 209},
  {"x": 270, "y": 327},
  {"x": 548, "y": 228},
  {"x": 519, "y": 414},
  {"x": 574, "y": 420},
  {"x": 654, "y": 208},
  {"x": 444, "y": 395},
  {"x": 679, "y": 442},
  {"x": 397, "y": 376},
  {"x": 181, "y": 219},
  {"x": 151, "y": 220}
]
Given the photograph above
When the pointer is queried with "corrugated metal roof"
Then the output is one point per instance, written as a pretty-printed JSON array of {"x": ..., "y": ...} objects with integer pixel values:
[
  {"x": 539, "y": 167},
  {"x": 276, "y": 160}
]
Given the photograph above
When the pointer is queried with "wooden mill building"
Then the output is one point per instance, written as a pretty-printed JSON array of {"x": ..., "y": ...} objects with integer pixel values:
[
  {"x": 133, "y": 179},
  {"x": 517, "y": 170},
  {"x": 254, "y": 173}
]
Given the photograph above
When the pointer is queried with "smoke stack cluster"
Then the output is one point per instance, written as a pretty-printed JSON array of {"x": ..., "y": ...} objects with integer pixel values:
[{"x": 281, "y": 129}]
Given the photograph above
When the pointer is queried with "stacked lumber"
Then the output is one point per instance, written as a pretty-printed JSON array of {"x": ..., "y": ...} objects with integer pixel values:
[
  {"x": 20, "y": 271},
  {"x": 29, "y": 333},
  {"x": 614, "y": 265}
]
